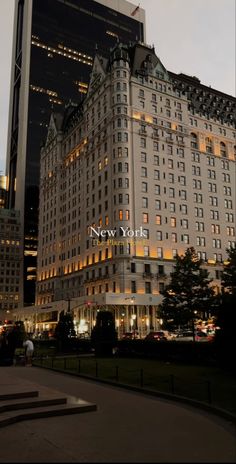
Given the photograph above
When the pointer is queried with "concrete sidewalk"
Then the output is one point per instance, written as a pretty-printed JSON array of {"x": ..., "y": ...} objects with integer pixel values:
[{"x": 128, "y": 427}]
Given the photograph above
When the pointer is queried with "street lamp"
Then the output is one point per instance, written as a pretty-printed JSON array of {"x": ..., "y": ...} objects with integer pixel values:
[
  {"x": 193, "y": 322},
  {"x": 133, "y": 318}
]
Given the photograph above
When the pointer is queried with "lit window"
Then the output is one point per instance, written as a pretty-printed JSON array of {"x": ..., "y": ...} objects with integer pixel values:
[
  {"x": 146, "y": 250},
  {"x": 145, "y": 218},
  {"x": 159, "y": 252},
  {"x": 127, "y": 215}
]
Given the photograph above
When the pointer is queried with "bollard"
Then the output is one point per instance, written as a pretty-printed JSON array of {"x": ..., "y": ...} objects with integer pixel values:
[
  {"x": 52, "y": 362},
  {"x": 65, "y": 364},
  {"x": 79, "y": 366},
  {"x": 96, "y": 369}
]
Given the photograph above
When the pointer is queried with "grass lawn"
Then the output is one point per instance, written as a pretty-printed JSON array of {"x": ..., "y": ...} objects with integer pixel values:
[{"x": 207, "y": 384}]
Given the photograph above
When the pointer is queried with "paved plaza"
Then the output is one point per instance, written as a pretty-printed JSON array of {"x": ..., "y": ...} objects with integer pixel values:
[{"x": 127, "y": 427}]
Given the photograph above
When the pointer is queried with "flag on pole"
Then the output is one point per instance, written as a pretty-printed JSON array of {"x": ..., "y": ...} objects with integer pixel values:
[{"x": 135, "y": 10}]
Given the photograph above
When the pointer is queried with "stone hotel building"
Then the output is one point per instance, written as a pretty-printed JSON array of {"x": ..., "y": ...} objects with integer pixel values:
[{"x": 142, "y": 169}]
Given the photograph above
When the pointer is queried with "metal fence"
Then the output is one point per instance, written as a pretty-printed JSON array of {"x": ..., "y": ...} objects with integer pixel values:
[{"x": 201, "y": 390}]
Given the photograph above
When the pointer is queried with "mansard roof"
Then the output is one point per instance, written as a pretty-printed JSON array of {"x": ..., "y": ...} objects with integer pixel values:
[
  {"x": 205, "y": 100},
  {"x": 72, "y": 115},
  {"x": 143, "y": 61}
]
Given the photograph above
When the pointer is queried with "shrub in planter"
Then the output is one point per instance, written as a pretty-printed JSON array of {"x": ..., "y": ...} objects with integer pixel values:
[
  {"x": 104, "y": 335},
  {"x": 65, "y": 331}
]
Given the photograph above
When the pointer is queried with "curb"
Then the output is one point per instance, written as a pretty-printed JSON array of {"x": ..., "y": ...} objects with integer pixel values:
[{"x": 158, "y": 394}]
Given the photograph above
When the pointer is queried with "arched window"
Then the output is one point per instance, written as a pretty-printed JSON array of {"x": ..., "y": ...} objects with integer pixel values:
[
  {"x": 194, "y": 143},
  {"x": 209, "y": 147},
  {"x": 222, "y": 149}
]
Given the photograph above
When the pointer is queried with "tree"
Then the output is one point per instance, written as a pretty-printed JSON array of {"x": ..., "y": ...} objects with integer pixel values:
[
  {"x": 65, "y": 330},
  {"x": 188, "y": 294},
  {"x": 20, "y": 333},
  {"x": 104, "y": 335},
  {"x": 228, "y": 279},
  {"x": 12, "y": 339},
  {"x": 226, "y": 320}
]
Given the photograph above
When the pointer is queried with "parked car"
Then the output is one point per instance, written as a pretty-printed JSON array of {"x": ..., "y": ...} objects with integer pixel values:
[
  {"x": 84, "y": 336},
  {"x": 201, "y": 336},
  {"x": 159, "y": 335},
  {"x": 185, "y": 336},
  {"x": 128, "y": 336},
  {"x": 169, "y": 335}
]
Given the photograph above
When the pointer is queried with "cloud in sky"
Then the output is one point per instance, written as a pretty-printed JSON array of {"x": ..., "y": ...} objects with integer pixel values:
[{"x": 196, "y": 37}]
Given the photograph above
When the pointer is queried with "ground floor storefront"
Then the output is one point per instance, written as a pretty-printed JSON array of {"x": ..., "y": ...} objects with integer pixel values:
[{"x": 134, "y": 315}]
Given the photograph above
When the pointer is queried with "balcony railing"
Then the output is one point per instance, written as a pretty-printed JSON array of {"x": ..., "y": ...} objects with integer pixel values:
[
  {"x": 161, "y": 276},
  {"x": 148, "y": 275}
]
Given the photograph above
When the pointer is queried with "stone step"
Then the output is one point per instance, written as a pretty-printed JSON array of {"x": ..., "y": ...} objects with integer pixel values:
[
  {"x": 73, "y": 406},
  {"x": 17, "y": 395},
  {"x": 28, "y": 403}
]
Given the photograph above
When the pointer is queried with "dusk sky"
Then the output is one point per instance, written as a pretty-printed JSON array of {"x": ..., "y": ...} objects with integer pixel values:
[{"x": 196, "y": 37}]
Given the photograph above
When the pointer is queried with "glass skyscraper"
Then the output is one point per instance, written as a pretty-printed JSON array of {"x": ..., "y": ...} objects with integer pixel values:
[{"x": 53, "y": 49}]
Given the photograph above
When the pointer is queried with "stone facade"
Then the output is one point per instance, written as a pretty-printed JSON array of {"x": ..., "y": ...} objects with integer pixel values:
[{"x": 137, "y": 154}]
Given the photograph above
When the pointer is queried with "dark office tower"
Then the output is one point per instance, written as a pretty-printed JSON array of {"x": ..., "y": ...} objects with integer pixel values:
[{"x": 53, "y": 48}]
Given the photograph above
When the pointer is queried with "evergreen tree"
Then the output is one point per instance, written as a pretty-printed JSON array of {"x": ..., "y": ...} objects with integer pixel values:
[
  {"x": 188, "y": 294},
  {"x": 225, "y": 337},
  {"x": 21, "y": 335},
  {"x": 229, "y": 272},
  {"x": 11, "y": 340}
]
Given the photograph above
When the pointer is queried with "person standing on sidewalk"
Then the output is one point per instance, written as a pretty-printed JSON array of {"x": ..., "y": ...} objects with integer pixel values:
[{"x": 29, "y": 350}]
